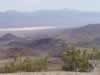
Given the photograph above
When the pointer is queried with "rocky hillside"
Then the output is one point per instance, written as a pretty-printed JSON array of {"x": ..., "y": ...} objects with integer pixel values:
[{"x": 87, "y": 36}]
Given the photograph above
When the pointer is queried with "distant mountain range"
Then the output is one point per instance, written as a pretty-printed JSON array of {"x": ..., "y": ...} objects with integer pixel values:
[
  {"x": 65, "y": 17},
  {"x": 52, "y": 41},
  {"x": 85, "y": 35}
]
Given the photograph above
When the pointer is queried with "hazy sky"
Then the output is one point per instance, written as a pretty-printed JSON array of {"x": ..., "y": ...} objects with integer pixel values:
[{"x": 32, "y": 5}]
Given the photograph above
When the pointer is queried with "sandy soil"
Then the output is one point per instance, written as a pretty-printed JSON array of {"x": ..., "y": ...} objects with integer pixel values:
[{"x": 53, "y": 73}]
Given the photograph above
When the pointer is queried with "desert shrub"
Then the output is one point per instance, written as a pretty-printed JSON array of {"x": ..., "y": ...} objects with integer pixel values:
[
  {"x": 95, "y": 54},
  {"x": 76, "y": 60},
  {"x": 27, "y": 65},
  {"x": 33, "y": 66},
  {"x": 8, "y": 68}
]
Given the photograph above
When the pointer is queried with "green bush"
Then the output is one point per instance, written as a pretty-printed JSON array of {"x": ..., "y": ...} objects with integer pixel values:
[
  {"x": 76, "y": 60},
  {"x": 27, "y": 65}
]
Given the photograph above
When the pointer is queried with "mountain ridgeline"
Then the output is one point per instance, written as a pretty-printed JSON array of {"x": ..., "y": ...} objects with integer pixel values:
[
  {"x": 86, "y": 36},
  {"x": 65, "y": 17}
]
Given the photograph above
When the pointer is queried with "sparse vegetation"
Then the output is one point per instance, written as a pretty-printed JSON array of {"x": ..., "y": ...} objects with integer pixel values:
[
  {"x": 76, "y": 60},
  {"x": 27, "y": 65}
]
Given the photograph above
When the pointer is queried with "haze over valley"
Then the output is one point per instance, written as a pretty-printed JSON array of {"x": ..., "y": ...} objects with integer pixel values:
[
  {"x": 59, "y": 18},
  {"x": 50, "y": 37}
]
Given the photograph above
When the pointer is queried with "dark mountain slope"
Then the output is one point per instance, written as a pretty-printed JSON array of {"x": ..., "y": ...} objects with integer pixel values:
[
  {"x": 42, "y": 46},
  {"x": 9, "y": 37}
]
